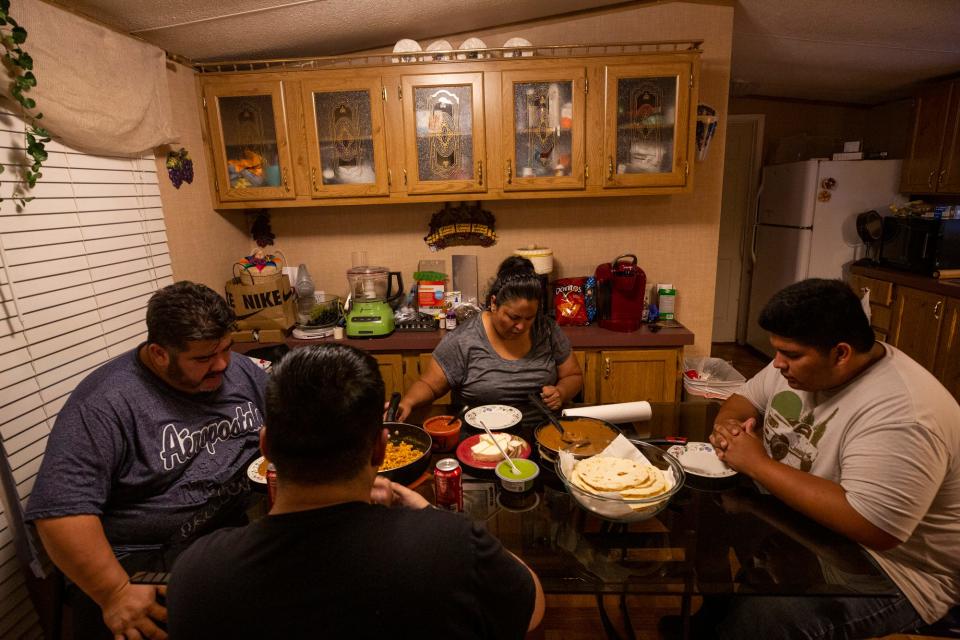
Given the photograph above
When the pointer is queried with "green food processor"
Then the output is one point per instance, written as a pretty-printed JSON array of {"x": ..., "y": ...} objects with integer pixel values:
[{"x": 369, "y": 308}]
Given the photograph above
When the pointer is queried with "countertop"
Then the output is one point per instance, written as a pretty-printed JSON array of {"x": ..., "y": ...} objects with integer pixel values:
[
  {"x": 950, "y": 288},
  {"x": 590, "y": 337}
]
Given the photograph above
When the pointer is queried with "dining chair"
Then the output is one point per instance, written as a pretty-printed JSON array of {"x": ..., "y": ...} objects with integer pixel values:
[{"x": 45, "y": 583}]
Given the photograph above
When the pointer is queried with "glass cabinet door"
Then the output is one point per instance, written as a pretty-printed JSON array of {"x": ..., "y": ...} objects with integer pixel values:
[
  {"x": 646, "y": 143},
  {"x": 249, "y": 136},
  {"x": 345, "y": 133},
  {"x": 543, "y": 129},
  {"x": 443, "y": 133}
]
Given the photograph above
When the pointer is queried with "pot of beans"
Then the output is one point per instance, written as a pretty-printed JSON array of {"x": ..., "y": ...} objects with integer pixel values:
[{"x": 408, "y": 449}]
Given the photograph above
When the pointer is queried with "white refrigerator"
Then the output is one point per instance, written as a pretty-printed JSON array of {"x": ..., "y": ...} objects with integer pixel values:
[{"x": 806, "y": 224}]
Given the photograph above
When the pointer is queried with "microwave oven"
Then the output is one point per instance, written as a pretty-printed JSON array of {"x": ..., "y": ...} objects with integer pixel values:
[{"x": 921, "y": 245}]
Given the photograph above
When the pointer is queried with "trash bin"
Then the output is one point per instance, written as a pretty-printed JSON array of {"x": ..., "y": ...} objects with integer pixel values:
[{"x": 710, "y": 378}]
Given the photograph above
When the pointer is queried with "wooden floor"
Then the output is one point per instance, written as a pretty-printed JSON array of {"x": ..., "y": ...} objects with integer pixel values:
[{"x": 747, "y": 360}]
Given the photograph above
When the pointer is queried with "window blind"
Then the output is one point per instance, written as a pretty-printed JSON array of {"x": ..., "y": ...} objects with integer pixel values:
[{"x": 77, "y": 266}]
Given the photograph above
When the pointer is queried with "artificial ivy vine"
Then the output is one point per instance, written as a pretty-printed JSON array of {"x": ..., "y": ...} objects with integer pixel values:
[{"x": 20, "y": 66}]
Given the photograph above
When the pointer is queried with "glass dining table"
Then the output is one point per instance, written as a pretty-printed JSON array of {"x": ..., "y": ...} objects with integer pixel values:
[{"x": 713, "y": 538}]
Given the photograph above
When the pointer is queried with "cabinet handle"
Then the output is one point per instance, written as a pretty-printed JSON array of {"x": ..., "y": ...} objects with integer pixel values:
[
  {"x": 313, "y": 173},
  {"x": 940, "y": 177},
  {"x": 286, "y": 185},
  {"x": 606, "y": 368},
  {"x": 936, "y": 309},
  {"x": 404, "y": 177},
  {"x": 586, "y": 172},
  {"x": 389, "y": 179},
  {"x": 480, "y": 172},
  {"x": 930, "y": 178},
  {"x": 509, "y": 171},
  {"x": 610, "y": 168}
]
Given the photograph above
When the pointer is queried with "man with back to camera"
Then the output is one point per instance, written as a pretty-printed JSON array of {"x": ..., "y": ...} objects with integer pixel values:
[
  {"x": 326, "y": 559},
  {"x": 148, "y": 453},
  {"x": 860, "y": 438}
]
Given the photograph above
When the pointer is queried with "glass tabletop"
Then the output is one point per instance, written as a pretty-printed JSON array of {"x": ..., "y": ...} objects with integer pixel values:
[{"x": 722, "y": 538}]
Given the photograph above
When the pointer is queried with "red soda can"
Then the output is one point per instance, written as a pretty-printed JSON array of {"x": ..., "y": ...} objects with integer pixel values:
[
  {"x": 271, "y": 485},
  {"x": 448, "y": 484}
]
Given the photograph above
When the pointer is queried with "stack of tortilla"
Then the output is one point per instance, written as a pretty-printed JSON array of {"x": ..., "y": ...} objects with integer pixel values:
[{"x": 631, "y": 479}]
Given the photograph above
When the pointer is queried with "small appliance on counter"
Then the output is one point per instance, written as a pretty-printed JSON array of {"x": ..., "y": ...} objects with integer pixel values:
[
  {"x": 921, "y": 245},
  {"x": 369, "y": 307},
  {"x": 621, "y": 285},
  {"x": 542, "y": 260}
]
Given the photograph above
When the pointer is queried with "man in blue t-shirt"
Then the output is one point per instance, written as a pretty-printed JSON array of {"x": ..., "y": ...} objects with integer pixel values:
[
  {"x": 331, "y": 560},
  {"x": 148, "y": 453}
]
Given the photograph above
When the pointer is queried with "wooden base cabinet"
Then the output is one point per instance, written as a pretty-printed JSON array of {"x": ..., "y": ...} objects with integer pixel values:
[
  {"x": 391, "y": 368},
  {"x": 925, "y": 325},
  {"x": 947, "y": 367},
  {"x": 643, "y": 374},
  {"x": 917, "y": 316},
  {"x": 608, "y": 376}
]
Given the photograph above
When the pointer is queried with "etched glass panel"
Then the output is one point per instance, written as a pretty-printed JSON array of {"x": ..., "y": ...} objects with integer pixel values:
[
  {"x": 646, "y": 118},
  {"x": 345, "y": 131},
  {"x": 444, "y": 132},
  {"x": 250, "y": 138},
  {"x": 543, "y": 128}
]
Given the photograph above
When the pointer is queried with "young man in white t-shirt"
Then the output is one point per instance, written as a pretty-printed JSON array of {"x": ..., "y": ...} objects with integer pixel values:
[{"x": 857, "y": 436}]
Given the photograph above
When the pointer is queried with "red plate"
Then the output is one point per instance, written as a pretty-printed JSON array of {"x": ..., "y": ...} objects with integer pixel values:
[{"x": 465, "y": 455}]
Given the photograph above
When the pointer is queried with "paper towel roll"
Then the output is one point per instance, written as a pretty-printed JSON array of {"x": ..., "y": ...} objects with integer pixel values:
[{"x": 616, "y": 413}]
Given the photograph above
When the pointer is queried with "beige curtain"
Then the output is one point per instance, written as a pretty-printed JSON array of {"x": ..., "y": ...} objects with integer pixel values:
[{"x": 99, "y": 91}]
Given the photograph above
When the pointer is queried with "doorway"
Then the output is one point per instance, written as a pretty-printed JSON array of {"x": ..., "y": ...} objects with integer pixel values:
[{"x": 741, "y": 182}]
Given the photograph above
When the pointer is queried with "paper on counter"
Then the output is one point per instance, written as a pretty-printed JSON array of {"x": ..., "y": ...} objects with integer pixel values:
[{"x": 615, "y": 413}]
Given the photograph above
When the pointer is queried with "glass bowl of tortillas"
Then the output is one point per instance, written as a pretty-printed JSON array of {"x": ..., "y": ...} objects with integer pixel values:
[{"x": 630, "y": 480}]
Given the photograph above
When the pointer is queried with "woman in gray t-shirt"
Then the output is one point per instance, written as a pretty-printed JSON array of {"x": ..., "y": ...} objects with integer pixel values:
[{"x": 502, "y": 355}]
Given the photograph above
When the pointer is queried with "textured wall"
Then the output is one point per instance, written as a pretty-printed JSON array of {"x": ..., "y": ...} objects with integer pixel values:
[{"x": 203, "y": 243}]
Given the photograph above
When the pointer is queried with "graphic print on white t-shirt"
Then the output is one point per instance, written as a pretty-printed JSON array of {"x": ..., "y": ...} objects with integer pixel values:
[{"x": 790, "y": 434}]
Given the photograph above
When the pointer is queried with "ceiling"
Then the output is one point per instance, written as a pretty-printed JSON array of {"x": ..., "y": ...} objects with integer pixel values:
[{"x": 855, "y": 51}]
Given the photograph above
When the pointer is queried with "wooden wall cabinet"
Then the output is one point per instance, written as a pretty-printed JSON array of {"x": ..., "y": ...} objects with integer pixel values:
[
  {"x": 601, "y": 125},
  {"x": 249, "y": 140},
  {"x": 645, "y": 140},
  {"x": 933, "y": 164},
  {"x": 543, "y": 129},
  {"x": 345, "y": 137},
  {"x": 443, "y": 133}
]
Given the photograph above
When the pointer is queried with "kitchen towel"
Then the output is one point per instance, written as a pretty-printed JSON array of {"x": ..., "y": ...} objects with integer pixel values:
[{"x": 616, "y": 413}]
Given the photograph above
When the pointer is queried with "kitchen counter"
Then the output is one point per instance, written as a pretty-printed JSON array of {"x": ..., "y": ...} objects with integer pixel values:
[
  {"x": 590, "y": 337},
  {"x": 949, "y": 288}
]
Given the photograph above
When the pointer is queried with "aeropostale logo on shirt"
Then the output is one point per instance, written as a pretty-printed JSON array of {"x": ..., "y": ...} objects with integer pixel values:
[{"x": 180, "y": 445}]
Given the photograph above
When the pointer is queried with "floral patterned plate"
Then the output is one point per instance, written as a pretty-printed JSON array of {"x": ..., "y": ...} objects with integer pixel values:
[
  {"x": 493, "y": 416},
  {"x": 700, "y": 459}
]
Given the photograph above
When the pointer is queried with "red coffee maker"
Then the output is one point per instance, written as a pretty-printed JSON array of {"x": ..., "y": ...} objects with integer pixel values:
[{"x": 621, "y": 285}]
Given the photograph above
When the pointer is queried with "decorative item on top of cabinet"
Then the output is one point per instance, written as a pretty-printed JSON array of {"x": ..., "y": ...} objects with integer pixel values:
[
  {"x": 933, "y": 164},
  {"x": 647, "y": 142},
  {"x": 251, "y": 153},
  {"x": 543, "y": 129},
  {"x": 346, "y": 144},
  {"x": 443, "y": 133}
]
